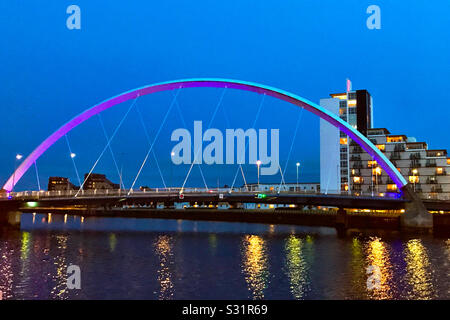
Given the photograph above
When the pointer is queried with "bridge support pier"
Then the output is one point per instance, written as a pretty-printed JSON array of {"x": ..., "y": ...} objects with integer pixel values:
[
  {"x": 341, "y": 222},
  {"x": 416, "y": 216}
]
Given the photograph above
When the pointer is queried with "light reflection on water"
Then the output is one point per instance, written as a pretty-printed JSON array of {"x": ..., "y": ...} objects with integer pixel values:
[
  {"x": 163, "y": 248},
  {"x": 297, "y": 250},
  {"x": 419, "y": 273},
  {"x": 255, "y": 265},
  {"x": 204, "y": 260}
]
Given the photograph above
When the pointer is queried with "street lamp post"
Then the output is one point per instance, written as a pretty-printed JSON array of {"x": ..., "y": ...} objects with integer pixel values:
[
  {"x": 18, "y": 158},
  {"x": 297, "y": 165},
  {"x": 258, "y": 164}
]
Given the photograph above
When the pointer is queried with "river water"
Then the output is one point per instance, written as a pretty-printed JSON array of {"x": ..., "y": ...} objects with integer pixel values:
[{"x": 173, "y": 259}]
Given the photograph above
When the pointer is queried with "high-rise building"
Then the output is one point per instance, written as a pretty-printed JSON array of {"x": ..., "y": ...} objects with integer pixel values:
[{"x": 355, "y": 107}]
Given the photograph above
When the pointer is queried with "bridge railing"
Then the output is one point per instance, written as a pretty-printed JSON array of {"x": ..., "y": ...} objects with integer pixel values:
[{"x": 175, "y": 191}]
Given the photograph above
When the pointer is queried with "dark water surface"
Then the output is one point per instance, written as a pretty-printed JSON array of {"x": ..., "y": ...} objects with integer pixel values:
[{"x": 174, "y": 259}]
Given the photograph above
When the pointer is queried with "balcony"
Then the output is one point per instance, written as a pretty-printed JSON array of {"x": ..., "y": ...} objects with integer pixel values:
[
  {"x": 395, "y": 156},
  {"x": 432, "y": 180},
  {"x": 415, "y": 156},
  {"x": 430, "y": 163},
  {"x": 355, "y": 173},
  {"x": 436, "y": 189},
  {"x": 415, "y": 164},
  {"x": 441, "y": 172},
  {"x": 357, "y": 165},
  {"x": 399, "y": 148},
  {"x": 355, "y": 158},
  {"x": 357, "y": 149}
]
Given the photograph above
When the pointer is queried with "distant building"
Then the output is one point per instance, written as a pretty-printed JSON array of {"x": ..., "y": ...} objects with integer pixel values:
[
  {"x": 274, "y": 187},
  {"x": 98, "y": 181},
  {"x": 60, "y": 184}
]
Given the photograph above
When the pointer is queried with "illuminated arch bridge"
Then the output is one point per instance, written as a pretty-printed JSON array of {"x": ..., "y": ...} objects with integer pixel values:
[{"x": 326, "y": 115}]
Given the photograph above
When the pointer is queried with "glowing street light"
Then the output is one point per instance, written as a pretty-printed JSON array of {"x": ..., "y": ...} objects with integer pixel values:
[
  {"x": 18, "y": 157},
  {"x": 297, "y": 165},
  {"x": 258, "y": 163},
  {"x": 73, "y": 155}
]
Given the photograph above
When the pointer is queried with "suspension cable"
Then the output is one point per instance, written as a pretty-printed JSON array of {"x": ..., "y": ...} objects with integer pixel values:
[
  {"x": 154, "y": 140},
  {"x": 184, "y": 124},
  {"x": 73, "y": 160},
  {"x": 149, "y": 142},
  {"x": 111, "y": 150},
  {"x": 297, "y": 125},
  {"x": 246, "y": 144},
  {"x": 37, "y": 176},
  {"x": 209, "y": 125},
  {"x": 107, "y": 144}
]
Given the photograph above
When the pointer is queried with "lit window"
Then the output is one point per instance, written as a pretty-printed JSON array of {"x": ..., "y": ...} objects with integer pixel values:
[
  {"x": 448, "y": 161},
  {"x": 376, "y": 171},
  {"x": 392, "y": 187},
  {"x": 351, "y": 103},
  {"x": 439, "y": 170},
  {"x": 414, "y": 179},
  {"x": 371, "y": 163},
  {"x": 382, "y": 147},
  {"x": 394, "y": 139},
  {"x": 346, "y": 187},
  {"x": 343, "y": 140},
  {"x": 356, "y": 179}
]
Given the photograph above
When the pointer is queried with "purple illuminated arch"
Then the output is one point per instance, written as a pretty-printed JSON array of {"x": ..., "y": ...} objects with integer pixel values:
[{"x": 328, "y": 116}]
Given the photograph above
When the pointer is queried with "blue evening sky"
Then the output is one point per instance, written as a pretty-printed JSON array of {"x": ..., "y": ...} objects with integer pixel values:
[{"x": 49, "y": 74}]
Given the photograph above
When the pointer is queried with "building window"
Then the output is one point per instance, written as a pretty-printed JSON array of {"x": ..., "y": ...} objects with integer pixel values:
[
  {"x": 414, "y": 179},
  {"x": 357, "y": 180},
  {"x": 351, "y": 103},
  {"x": 381, "y": 147},
  {"x": 371, "y": 163},
  {"x": 391, "y": 187},
  {"x": 376, "y": 171},
  {"x": 448, "y": 161},
  {"x": 343, "y": 140},
  {"x": 394, "y": 139}
]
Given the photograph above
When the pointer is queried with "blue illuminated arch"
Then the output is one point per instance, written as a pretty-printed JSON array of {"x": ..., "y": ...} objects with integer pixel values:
[{"x": 328, "y": 116}]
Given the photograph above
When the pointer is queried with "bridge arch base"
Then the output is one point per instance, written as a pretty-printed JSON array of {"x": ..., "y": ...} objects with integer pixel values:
[{"x": 416, "y": 216}]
